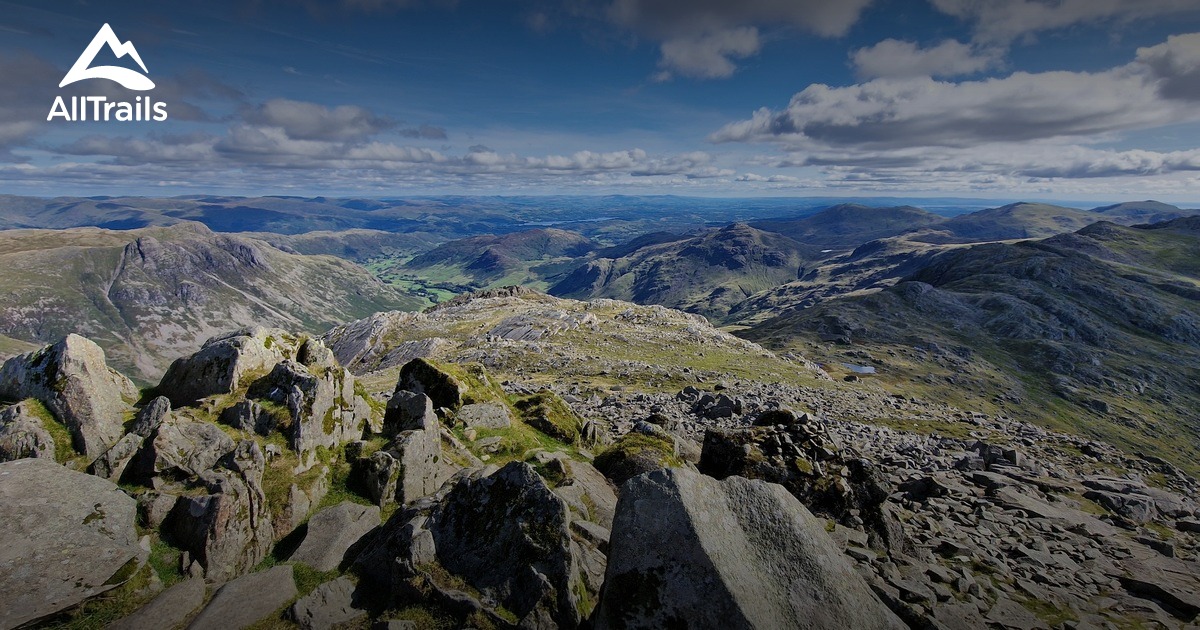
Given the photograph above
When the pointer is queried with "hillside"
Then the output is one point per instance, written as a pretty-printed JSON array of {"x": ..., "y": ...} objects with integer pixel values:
[
  {"x": 1095, "y": 331},
  {"x": 149, "y": 295},
  {"x": 707, "y": 274},
  {"x": 850, "y": 225}
]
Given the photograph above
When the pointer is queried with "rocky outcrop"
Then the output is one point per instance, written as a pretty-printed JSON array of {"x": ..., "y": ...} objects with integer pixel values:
[
  {"x": 327, "y": 606},
  {"x": 65, "y": 536},
  {"x": 496, "y": 545},
  {"x": 73, "y": 381},
  {"x": 407, "y": 411},
  {"x": 22, "y": 434},
  {"x": 226, "y": 527},
  {"x": 412, "y": 466},
  {"x": 183, "y": 448},
  {"x": 222, "y": 364},
  {"x": 725, "y": 537}
]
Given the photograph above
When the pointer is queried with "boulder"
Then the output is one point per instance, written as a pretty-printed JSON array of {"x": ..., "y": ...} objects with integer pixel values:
[
  {"x": 378, "y": 475},
  {"x": 149, "y": 418},
  {"x": 73, "y": 381},
  {"x": 548, "y": 413},
  {"x": 634, "y": 454},
  {"x": 412, "y": 467},
  {"x": 422, "y": 377},
  {"x": 1138, "y": 508},
  {"x": 247, "y": 600},
  {"x": 112, "y": 464},
  {"x": 65, "y": 536},
  {"x": 22, "y": 433},
  {"x": 227, "y": 525},
  {"x": 742, "y": 554},
  {"x": 407, "y": 411},
  {"x": 249, "y": 415},
  {"x": 332, "y": 531},
  {"x": 168, "y": 609},
  {"x": 182, "y": 448},
  {"x": 505, "y": 535},
  {"x": 222, "y": 362},
  {"x": 485, "y": 416},
  {"x": 329, "y": 604}
]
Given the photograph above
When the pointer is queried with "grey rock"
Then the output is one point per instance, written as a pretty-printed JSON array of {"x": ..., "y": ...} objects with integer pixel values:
[
  {"x": 332, "y": 531},
  {"x": 247, "y": 600},
  {"x": 73, "y": 381},
  {"x": 227, "y": 528},
  {"x": 407, "y": 411},
  {"x": 505, "y": 534},
  {"x": 112, "y": 464},
  {"x": 379, "y": 475},
  {"x": 22, "y": 434},
  {"x": 183, "y": 448},
  {"x": 168, "y": 609},
  {"x": 325, "y": 409},
  {"x": 422, "y": 377},
  {"x": 65, "y": 536},
  {"x": 148, "y": 418},
  {"x": 221, "y": 363},
  {"x": 329, "y": 604},
  {"x": 485, "y": 416},
  {"x": 249, "y": 415},
  {"x": 725, "y": 536},
  {"x": 1138, "y": 508}
]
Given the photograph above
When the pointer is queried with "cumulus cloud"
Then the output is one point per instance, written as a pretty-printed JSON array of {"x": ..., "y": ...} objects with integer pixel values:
[
  {"x": 424, "y": 132},
  {"x": 1002, "y": 21},
  {"x": 301, "y": 120},
  {"x": 892, "y": 58},
  {"x": 923, "y": 112},
  {"x": 709, "y": 55},
  {"x": 704, "y": 38}
]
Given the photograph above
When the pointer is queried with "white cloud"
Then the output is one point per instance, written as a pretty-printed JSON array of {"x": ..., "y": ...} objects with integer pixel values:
[
  {"x": 1176, "y": 63},
  {"x": 1002, "y": 21},
  {"x": 892, "y": 58},
  {"x": 704, "y": 38},
  {"x": 709, "y": 55},
  {"x": 309, "y": 121}
]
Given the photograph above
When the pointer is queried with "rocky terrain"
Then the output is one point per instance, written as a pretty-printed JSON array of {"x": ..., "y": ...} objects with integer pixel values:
[
  {"x": 149, "y": 296},
  {"x": 511, "y": 459}
]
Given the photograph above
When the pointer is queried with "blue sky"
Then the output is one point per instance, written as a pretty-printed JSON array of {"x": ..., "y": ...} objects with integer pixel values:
[{"x": 1078, "y": 99}]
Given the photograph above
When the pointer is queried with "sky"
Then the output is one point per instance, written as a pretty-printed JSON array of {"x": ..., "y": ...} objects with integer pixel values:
[{"x": 1046, "y": 99}]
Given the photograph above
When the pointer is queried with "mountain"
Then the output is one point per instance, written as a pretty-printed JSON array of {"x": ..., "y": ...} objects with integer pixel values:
[
  {"x": 360, "y": 246},
  {"x": 1096, "y": 331},
  {"x": 1142, "y": 212},
  {"x": 706, "y": 274},
  {"x": 850, "y": 225},
  {"x": 1014, "y": 221},
  {"x": 489, "y": 259},
  {"x": 148, "y": 295}
]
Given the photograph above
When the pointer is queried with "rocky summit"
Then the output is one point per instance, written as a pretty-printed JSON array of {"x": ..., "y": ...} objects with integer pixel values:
[{"x": 510, "y": 459}]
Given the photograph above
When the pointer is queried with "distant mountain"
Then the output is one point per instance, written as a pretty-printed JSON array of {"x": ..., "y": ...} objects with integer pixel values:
[
  {"x": 849, "y": 225},
  {"x": 1099, "y": 329},
  {"x": 356, "y": 245},
  {"x": 1142, "y": 212},
  {"x": 149, "y": 296},
  {"x": 1014, "y": 221},
  {"x": 707, "y": 274}
]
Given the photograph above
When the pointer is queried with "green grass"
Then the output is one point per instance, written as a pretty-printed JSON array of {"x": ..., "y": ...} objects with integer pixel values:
[
  {"x": 64, "y": 449},
  {"x": 164, "y": 559},
  {"x": 546, "y": 412}
]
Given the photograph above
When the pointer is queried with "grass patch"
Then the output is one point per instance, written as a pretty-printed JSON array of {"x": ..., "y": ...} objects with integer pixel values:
[
  {"x": 64, "y": 444},
  {"x": 308, "y": 578},
  {"x": 546, "y": 412},
  {"x": 102, "y": 610},
  {"x": 164, "y": 559}
]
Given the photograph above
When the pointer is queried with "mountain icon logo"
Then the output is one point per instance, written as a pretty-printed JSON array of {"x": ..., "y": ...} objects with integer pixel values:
[{"x": 130, "y": 79}]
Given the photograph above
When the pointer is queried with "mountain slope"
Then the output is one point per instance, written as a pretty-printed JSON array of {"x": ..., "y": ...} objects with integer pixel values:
[
  {"x": 489, "y": 259},
  {"x": 1098, "y": 330},
  {"x": 706, "y": 274},
  {"x": 148, "y": 296},
  {"x": 850, "y": 225}
]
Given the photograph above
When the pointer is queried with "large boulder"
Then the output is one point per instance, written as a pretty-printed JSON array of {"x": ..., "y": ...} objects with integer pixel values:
[
  {"x": 327, "y": 606},
  {"x": 505, "y": 535},
  {"x": 407, "y": 411},
  {"x": 65, "y": 536},
  {"x": 486, "y": 415},
  {"x": 422, "y": 377},
  {"x": 22, "y": 433},
  {"x": 181, "y": 448},
  {"x": 225, "y": 524},
  {"x": 75, "y": 383},
  {"x": 168, "y": 609},
  {"x": 223, "y": 362},
  {"x": 636, "y": 453},
  {"x": 410, "y": 468},
  {"x": 332, "y": 531},
  {"x": 738, "y": 554}
]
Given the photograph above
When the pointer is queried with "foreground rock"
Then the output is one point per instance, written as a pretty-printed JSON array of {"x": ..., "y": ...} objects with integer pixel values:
[
  {"x": 247, "y": 600},
  {"x": 75, "y": 383},
  {"x": 726, "y": 537},
  {"x": 65, "y": 536},
  {"x": 332, "y": 531},
  {"x": 491, "y": 548},
  {"x": 169, "y": 609}
]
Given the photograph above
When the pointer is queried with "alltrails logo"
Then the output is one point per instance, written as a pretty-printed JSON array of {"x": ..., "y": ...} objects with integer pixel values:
[{"x": 99, "y": 108}]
